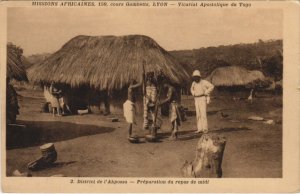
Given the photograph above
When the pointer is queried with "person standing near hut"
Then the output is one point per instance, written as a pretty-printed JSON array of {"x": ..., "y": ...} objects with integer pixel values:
[
  {"x": 104, "y": 98},
  {"x": 129, "y": 106},
  {"x": 55, "y": 99},
  {"x": 47, "y": 94},
  {"x": 64, "y": 102},
  {"x": 201, "y": 90},
  {"x": 149, "y": 100},
  {"x": 174, "y": 115}
]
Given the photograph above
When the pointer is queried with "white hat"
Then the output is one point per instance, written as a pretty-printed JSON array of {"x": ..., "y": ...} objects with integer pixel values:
[{"x": 196, "y": 73}]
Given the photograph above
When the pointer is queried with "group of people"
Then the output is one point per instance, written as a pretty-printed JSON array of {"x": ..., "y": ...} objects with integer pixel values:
[
  {"x": 54, "y": 96},
  {"x": 152, "y": 89}
]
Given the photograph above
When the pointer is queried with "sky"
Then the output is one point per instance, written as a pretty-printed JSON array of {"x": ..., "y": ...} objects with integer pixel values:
[{"x": 46, "y": 30}]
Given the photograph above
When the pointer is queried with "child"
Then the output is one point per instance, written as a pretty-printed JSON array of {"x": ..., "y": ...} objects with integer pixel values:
[
  {"x": 174, "y": 115},
  {"x": 54, "y": 99},
  {"x": 129, "y": 106}
]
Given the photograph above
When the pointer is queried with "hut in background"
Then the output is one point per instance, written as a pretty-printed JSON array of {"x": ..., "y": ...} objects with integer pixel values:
[
  {"x": 14, "y": 70},
  {"x": 90, "y": 65},
  {"x": 234, "y": 78}
]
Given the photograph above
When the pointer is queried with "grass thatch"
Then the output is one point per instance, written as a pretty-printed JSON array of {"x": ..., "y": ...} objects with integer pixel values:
[
  {"x": 15, "y": 68},
  {"x": 107, "y": 62},
  {"x": 234, "y": 76}
]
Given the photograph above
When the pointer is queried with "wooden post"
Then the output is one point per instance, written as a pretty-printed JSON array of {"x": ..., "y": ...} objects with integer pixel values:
[{"x": 208, "y": 160}]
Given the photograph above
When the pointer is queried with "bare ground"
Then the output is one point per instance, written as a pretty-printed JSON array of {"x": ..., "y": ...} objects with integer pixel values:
[{"x": 93, "y": 146}]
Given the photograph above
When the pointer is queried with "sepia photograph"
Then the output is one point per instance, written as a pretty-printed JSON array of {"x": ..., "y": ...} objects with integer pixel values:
[
  {"x": 154, "y": 93},
  {"x": 149, "y": 96}
]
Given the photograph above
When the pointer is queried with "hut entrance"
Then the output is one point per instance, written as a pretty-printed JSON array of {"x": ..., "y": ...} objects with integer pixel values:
[{"x": 82, "y": 98}]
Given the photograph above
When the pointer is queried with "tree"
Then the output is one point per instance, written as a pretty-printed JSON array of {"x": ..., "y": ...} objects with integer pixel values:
[{"x": 273, "y": 67}]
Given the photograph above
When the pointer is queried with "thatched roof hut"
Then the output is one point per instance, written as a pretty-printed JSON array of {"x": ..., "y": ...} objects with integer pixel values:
[
  {"x": 234, "y": 76},
  {"x": 107, "y": 62},
  {"x": 15, "y": 68}
]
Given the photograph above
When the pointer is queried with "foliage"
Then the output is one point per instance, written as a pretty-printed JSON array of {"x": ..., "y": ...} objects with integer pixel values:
[
  {"x": 273, "y": 67},
  {"x": 245, "y": 55},
  {"x": 36, "y": 59}
]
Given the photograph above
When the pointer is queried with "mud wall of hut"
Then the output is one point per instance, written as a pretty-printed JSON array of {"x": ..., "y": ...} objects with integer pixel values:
[{"x": 81, "y": 97}]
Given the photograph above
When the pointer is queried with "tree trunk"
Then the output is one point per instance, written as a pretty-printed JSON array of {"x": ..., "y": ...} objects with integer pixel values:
[{"x": 208, "y": 160}]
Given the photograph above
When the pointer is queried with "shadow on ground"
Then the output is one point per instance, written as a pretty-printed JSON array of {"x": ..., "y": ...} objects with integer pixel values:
[
  {"x": 189, "y": 135},
  {"x": 39, "y": 132}
]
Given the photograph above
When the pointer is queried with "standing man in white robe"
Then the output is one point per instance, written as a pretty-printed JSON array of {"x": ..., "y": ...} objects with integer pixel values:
[{"x": 201, "y": 90}]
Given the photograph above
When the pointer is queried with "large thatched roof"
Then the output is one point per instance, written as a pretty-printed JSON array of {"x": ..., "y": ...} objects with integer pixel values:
[
  {"x": 15, "y": 68},
  {"x": 107, "y": 62},
  {"x": 234, "y": 76}
]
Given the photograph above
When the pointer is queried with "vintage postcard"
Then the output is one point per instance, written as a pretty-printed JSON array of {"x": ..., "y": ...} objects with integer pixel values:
[{"x": 150, "y": 96}]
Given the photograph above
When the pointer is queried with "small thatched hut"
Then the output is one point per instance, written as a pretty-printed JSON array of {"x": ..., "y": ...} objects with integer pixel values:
[
  {"x": 15, "y": 70},
  {"x": 235, "y": 79},
  {"x": 107, "y": 63},
  {"x": 234, "y": 76}
]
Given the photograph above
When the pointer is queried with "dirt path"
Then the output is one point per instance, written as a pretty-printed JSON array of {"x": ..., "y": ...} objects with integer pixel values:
[{"x": 91, "y": 145}]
